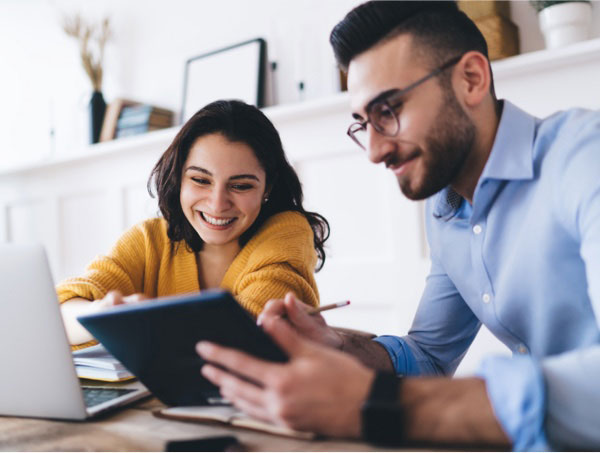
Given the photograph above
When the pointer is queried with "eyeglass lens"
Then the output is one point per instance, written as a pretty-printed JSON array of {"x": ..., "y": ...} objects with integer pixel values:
[{"x": 383, "y": 119}]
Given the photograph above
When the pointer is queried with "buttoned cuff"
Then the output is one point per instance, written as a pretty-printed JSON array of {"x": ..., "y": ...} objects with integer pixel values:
[{"x": 515, "y": 387}]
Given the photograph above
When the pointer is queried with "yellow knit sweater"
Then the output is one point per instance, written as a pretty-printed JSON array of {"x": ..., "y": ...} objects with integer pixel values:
[{"x": 279, "y": 258}]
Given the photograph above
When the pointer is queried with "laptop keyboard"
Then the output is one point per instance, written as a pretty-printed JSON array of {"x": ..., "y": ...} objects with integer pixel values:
[{"x": 97, "y": 395}]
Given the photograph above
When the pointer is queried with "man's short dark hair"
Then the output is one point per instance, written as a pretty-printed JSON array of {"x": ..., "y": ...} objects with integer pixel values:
[{"x": 439, "y": 29}]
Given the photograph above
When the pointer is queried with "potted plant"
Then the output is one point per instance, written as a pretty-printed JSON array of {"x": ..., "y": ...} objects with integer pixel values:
[
  {"x": 92, "y": 39},
  {"x": 564, "y": 22}
]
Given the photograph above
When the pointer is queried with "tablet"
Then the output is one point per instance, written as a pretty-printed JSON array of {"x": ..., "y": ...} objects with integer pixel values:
[{"x": 156, "y": 341}]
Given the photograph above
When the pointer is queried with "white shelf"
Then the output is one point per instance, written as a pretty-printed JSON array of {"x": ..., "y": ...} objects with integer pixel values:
[
  {"x": 307, "y": 109},
  {"x": 520, "y": 65},
  {"x": 97, "y": 150},
  {"x": 277, "y": 114},
  {"x": 545, "y": 60}
]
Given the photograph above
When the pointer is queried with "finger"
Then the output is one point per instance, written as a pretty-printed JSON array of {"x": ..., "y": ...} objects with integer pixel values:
[
  {"x": 253, "y": 410},
  {"x": 134, "y": 298},
  {"x": 245, "y": 365},
  {"x": 113, "y": 298},
  {"x": 285, "y": 336},
  {"x": 247, "y": 397},
  {"x": 298, "y": 313},
  {"x": 232, "y": 387},
  {"x": 292, "y": 303},
  {"x": 273, "y": 308}
]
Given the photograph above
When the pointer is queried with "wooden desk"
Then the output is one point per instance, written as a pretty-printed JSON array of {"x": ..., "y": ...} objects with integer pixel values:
[{"x": 136, "y": 429}]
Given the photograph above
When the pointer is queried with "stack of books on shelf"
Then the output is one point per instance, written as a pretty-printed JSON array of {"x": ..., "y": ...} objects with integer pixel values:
[
  {"x": 139, "y": 119},
  {"x": 97, "y": 363}
]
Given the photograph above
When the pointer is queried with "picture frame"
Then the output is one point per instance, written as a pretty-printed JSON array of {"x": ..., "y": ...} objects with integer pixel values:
[{"x": 237, "y": 71}]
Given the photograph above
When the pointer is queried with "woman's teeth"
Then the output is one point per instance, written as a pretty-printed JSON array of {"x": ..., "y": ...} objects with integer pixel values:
[{"x": 215, "y": 221}]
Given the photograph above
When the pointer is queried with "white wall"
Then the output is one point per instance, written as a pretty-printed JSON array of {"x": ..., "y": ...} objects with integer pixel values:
[
  {"x": 42, "y": 85},
  {"x": 44, "y": 88}
]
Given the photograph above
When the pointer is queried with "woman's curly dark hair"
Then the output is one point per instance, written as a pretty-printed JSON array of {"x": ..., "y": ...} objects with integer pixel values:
[{"x": 238, "y": 122}]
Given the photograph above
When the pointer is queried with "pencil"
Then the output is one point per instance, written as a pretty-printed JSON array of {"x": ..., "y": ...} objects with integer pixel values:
[{"x": 314, "y": 311}]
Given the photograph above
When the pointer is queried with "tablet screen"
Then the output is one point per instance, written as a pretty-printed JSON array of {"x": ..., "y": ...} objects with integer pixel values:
[{"x": 156, "y": 341}]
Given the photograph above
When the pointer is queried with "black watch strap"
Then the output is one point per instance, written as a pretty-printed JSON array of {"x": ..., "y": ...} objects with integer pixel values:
[{"x": 382, "y": 415}]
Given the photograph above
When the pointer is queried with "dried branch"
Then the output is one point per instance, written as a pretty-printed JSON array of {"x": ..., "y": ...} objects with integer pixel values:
[{"x": 92, "y": 40}]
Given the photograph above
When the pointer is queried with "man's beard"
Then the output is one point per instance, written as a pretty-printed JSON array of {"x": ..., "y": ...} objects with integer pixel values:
[{"x": 449, "y": 143}]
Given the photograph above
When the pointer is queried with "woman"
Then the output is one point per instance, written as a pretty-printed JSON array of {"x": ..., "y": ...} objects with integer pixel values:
[{"x": 232, "y": 218}]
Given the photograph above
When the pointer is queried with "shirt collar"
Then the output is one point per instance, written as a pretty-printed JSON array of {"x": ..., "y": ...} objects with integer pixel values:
[{"x": 511, "y": 158}]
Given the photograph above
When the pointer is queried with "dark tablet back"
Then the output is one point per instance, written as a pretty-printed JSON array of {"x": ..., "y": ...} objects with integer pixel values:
[{"x": 156, "y": 341}]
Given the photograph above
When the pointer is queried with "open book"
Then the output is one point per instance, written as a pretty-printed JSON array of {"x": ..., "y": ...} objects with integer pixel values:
[
  {"x": 97, "y": 363},
  {"x": 228, "y": 415}
]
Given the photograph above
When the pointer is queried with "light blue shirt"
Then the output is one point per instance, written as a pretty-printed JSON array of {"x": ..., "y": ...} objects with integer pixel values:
[{"x": 523, "y": 259}]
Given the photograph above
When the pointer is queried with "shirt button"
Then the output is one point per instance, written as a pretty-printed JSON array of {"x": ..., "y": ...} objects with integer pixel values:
[
  {"x": 522, "y": 349},
  {"x": 486, "y": 298},
  {"x": 477, "y": 229}
]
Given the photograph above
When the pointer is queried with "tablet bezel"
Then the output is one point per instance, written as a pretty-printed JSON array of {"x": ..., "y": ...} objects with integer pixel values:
[{"x": 155, "y": 339}]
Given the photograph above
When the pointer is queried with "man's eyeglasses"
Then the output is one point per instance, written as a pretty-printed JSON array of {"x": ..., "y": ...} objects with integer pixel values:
[{"x": 381, "y": 111}]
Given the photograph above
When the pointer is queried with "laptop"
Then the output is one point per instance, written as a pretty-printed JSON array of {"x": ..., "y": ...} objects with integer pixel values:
[{"x": 37, "y": 374}]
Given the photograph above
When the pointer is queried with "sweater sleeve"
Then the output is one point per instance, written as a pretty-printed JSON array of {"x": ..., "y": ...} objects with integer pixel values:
[
  {"x": 279, "y": 259},
  {"x": 273, "y": 281},
  {"x": 121, "y": 269}
]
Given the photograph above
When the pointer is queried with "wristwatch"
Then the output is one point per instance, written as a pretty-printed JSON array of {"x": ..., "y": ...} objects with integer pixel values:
[{"x": 382, "y": 414}]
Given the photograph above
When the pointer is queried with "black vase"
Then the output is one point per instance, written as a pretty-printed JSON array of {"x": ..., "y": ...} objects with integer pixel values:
[{"x": 97, "y": 109}]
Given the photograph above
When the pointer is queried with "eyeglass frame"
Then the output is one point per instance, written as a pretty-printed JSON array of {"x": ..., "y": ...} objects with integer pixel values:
[{"x": 387, "y": 97}]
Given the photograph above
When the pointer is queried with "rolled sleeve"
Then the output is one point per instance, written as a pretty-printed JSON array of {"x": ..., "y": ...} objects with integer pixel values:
[
  {"x": 402, "y": 358},
  {"x": 515, "y": 387}
]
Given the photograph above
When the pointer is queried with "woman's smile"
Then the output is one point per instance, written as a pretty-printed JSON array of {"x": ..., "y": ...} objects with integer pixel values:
[{"x": 217, "y": 223}]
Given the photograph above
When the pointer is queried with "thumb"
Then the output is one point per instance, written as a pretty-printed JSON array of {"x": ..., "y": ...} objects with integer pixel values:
[
  {"x": 297, "y": 312},
  {"x": 285, "y": 336}
]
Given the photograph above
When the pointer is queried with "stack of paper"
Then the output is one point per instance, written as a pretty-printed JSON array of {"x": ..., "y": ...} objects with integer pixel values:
[{"x": 97, "y": 363}]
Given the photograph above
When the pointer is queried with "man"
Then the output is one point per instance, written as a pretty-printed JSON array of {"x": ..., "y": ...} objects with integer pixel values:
[{"x": 513, "y": 222}]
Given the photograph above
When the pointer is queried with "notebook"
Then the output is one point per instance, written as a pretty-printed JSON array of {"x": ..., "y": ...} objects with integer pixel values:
[
  {"x": 37, "y": 375},
  {"x": 98, "y": 364},
  {"x": 228, "y": 415}
]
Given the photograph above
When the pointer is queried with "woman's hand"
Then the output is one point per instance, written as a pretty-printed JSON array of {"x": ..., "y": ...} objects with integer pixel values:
[
  {"x": 114, "y": 298},
  {"x": 295, "y": 312},
  {"x": 73, "y": 308}
]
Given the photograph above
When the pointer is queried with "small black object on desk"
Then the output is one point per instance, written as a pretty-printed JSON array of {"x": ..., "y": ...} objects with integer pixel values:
[{"x": 212, "y": 443}]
